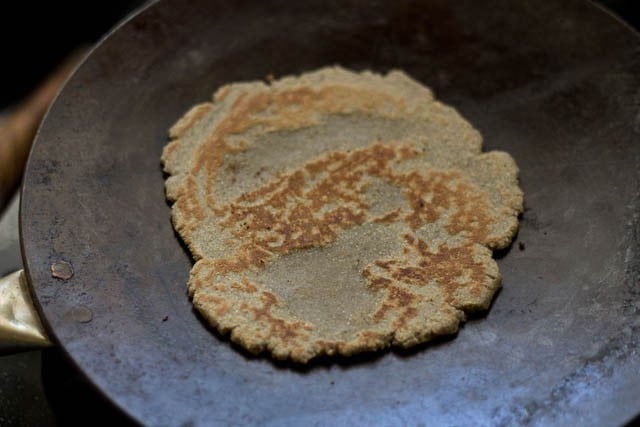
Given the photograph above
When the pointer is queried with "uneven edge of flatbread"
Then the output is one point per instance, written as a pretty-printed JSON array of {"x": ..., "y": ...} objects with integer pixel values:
[{"x": 494, "y": 171}]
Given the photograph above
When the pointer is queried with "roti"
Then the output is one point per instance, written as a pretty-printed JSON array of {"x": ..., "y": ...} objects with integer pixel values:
[{"x": 337, "y": 212}]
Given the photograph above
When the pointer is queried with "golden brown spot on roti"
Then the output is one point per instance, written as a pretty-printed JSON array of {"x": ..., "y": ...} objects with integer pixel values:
[
  {"x": 221, "y": 306},
  {"x": 471, "y": 215},
  {"x": 171, "y": 147},
  {"x": 389, "y": 217},
  {"x": 188, "y": 206},
  {"x": 187, "y": 121},
  {"x": 401, "y": 300},
  {"x": 244, "y": 286},
  {"x": 279, "y": 327},
  {"x": 371, "y": 338},
  {"x": 252, "y": 256},
  {"x": 222, "y": 93},
  {"x": 450, "y": 267}
]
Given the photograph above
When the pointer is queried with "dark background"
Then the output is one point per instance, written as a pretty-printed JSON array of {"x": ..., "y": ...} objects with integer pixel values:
[
  {"x": 35, "y": 35},
  {"x": 41, "y": 388}
]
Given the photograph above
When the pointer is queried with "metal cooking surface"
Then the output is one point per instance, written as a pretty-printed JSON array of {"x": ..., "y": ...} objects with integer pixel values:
[{"x": 555, "y": 83}]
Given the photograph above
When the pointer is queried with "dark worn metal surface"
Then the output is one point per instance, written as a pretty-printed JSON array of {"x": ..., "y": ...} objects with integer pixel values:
[{"x": 556, "y": 83}]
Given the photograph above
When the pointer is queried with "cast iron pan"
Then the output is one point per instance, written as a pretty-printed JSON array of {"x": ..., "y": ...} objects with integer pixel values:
[{"x": 555, "y": 83}]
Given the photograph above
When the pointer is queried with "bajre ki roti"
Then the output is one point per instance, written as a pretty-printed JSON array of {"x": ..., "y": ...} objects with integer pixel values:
[{"x": 337, "y": 212}]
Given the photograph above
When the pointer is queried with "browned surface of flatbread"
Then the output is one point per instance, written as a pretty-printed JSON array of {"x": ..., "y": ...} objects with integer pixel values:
[{"x": 337, "y": 212}]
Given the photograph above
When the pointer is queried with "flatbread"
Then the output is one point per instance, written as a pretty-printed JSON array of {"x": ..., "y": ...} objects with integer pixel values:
[{"x": 337, "y": 212}]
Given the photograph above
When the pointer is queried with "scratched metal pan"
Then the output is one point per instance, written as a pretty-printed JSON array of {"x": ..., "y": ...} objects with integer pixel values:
[{"x": 555, "y": 83}]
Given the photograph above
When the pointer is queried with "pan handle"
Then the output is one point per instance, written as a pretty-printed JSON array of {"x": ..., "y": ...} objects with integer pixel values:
[{"x": 20, "y": 325}]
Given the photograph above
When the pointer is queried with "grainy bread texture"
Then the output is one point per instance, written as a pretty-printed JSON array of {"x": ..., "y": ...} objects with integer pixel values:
[{"x": 337, "y": 212}]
